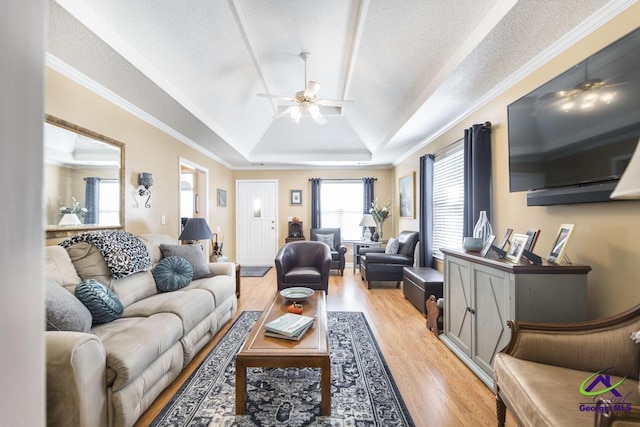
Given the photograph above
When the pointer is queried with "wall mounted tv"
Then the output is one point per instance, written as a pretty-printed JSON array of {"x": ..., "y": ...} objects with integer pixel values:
[{"x": 571, "y": 139}]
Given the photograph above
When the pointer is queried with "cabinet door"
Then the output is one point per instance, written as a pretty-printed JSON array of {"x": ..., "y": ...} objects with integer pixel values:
[
  {"x": 457, "y": 299},
  {"x": 493, "y": 307}
]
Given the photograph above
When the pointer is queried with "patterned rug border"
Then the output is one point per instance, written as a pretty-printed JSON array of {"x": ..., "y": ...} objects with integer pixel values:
[
  {"x": 400, "y": 400},
  {"x": 252, "y": 271}
]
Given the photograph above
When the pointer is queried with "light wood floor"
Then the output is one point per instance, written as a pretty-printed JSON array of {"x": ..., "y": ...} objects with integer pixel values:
[{"x": 437, "y": 388}]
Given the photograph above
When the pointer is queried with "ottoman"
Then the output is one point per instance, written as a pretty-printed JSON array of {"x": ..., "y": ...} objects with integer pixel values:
[{"x": 420, "y": 282}]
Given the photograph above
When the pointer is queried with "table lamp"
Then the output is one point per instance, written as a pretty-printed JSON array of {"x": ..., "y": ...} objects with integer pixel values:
[
  {"x": 367, "y": 221},
  {"x": 69, "y": 219},
  {"x": 196, "y": 229}
]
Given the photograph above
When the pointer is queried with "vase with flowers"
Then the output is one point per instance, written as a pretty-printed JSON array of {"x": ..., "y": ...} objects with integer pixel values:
[
  {"x": 379, "y": 214},
  {"x": 74, "y": 208}
]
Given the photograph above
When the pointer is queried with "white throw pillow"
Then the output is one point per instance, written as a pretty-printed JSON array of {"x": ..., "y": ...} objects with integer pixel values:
[
  {"x": 392, "y": 246},
  {"x": 327, "y": 239}
]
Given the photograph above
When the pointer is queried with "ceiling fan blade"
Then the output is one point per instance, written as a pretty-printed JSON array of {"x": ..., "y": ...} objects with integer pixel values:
[
  {"x": 312, "y": 89},
  {"x": 332, "y": 102},
  {"x": 268, "y": 95}
]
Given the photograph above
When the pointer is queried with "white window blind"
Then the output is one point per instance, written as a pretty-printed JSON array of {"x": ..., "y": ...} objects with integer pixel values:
[
  {"x": 448, "y": 199},
  {"x": 341, "y": 207},
  {"x": 109, "y": 202}
]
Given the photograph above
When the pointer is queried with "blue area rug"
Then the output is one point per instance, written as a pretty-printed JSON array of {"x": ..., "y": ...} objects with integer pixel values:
[
  {"x": 253, "y": 271},
  {"x": 363, "y": 393}
]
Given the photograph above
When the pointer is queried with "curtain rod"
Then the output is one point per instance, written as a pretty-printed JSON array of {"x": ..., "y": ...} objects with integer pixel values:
[
  {"x": 341, "y": 179},
  {"x": 485, "y": 126}
]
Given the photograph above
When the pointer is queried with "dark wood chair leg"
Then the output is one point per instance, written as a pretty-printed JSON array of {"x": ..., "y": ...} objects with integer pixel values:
[
  {"x": 368, "y": 284},
  {"x": 501, "y": 411},
  {"x": 397, "y": 284}
]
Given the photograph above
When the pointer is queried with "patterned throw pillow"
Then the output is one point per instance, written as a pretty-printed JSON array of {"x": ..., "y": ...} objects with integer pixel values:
[
  {"x": 193, "y": 254},
  {"x": 64, "y": 311},
  {"x": 327, "y": 239},
  {"x": 103, "y": 304},
  {"x": 392, "y": 246},
  {"x": 172, "y": 273}
]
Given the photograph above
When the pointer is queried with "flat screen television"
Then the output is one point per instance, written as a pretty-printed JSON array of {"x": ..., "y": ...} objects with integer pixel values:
[{"x": 571, "y": 139}]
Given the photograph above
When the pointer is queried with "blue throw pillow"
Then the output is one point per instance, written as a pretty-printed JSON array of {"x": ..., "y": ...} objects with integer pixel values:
[
  {"x": 103, "y": 304},
  {"x": 172, "y": 273}
]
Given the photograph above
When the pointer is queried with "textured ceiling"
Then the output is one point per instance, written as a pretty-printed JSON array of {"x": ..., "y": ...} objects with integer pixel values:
[{"x": 411, "y": 67}]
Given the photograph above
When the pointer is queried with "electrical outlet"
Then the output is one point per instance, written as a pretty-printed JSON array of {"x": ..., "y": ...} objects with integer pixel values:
[{"x": 163, "y": 220}]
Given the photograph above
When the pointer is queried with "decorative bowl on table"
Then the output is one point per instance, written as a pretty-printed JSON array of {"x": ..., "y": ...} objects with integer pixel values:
[
  {"x": 297, "y": 294},
  {"x": 472, "y": 244}
]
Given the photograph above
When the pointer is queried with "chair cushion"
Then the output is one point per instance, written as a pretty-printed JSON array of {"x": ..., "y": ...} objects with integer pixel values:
[
  {"x": 299, "y": 275},
  {"x": 172, "y": 273},
  {"x": 101, "y": 302},
  {"x": 392, "y": 246},
  {"x": 193, "y": 254},
  {"x": 326, "y": 239},
  {"x": 65, "y": 312}
]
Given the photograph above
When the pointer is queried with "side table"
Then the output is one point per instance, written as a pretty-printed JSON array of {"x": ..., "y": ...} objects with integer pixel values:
[{"x": 357, "y": 245}]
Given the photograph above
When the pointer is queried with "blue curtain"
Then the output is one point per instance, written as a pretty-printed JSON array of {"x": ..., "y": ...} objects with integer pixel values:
[
  {"x": 425, "y": 218},
  {"x": 477, "y": 175},
  {"x": 368, "y": 196},
  {"x": 315, "y": 202},
  {"x": 92, "y": 200}
]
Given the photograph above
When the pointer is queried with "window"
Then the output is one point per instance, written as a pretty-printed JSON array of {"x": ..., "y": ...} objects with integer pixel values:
[
  {"x": 109, "y": 202},
  {"x": 448, "y": 199},
  {"x": 341, "y": 205}
]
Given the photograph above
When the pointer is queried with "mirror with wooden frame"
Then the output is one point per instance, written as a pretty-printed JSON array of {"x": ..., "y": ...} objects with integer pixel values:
[{"x": 83, "y": 179}]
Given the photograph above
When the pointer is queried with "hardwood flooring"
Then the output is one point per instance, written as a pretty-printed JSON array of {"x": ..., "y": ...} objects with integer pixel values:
[{"x": 438, "y": 389}]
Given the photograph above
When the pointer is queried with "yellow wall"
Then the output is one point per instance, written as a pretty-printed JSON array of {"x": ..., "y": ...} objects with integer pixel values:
[
  {"x": 607, "y": 234},
  {"x": 147, "y": 149},
  {"x": 299, "y": 180}
]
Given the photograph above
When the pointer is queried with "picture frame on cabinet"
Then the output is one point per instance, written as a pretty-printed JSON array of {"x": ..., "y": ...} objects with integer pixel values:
[
  {"x": 487, "y": 245},
  {"x": 560, "y": 244},
  {"x": 533, "y": 238},
  {"x": 505, "y": 239},
  {"x": 517, "y": 247}
]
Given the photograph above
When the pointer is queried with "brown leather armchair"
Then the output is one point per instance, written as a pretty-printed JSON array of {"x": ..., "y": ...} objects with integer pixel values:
[
  {"x": 338, "y": 251},
  {"x": 303, "y": 263},
  {"x": 377, "y": 265}
]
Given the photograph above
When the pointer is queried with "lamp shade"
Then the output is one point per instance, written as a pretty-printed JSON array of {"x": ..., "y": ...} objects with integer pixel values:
[
  {"x": 69, "y": 219},
  {"x": 629, "y": 185},
  {"x": 196, "y": 229},
  {"x": 367, "y": 221}
]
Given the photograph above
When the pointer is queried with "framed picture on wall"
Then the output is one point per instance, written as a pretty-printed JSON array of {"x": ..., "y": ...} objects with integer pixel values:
[
  {"x": 407, "y": 191},
  {"x": 222, "y": 197},
  {"x": 295, "y": 197}
]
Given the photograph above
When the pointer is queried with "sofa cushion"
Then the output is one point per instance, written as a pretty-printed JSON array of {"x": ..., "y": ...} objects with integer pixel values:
[
  {"x": 65, "y": 312},
  {"x": 153, "y": 242},
  {"x": 59, "y": 268},
  {"x": 547, "y": 395},
  {"x": 392, "y": 246},
  {"x": 89, "y": 262},
  {"x": 100, "y": 300},
  {"x": 172, "y": 273},
  {"x": 221, "y": 287},
  {"x": 326, "y": 239},
  {"x": 193, "y": 254}
]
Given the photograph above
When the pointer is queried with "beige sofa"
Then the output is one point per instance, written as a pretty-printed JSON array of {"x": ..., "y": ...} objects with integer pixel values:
[
  {"x": 111, "y": 375},
  {"x": 540, "y": 374}
]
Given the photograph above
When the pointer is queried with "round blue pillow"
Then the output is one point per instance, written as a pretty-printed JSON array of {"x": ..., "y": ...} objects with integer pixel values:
[
  {"x": 103, "y": 304},
  {"x": 172, "y": 273}
]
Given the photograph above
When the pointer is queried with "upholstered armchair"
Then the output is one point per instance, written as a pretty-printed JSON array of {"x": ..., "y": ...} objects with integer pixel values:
[
  {"x": 570, "y": 374},
  {"x": 303, "y": 263},
  {"x": 331, "y": 236},
  {"x": 377, "y": 264}
]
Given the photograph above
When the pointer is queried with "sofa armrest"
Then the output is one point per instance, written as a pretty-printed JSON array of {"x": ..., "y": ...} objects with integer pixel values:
[
  {"x": 382, "y": 258},
  {"x": 365, "y": 251},
  {"x": 222, "y": 268},
  {"x": 587, "y": 346},
  {"x": 607, "y": 414},
  {"x": 76, "y": 379}
]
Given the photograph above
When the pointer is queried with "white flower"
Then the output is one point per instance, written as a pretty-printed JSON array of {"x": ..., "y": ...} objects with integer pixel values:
[{"x": 635, "y": 336}]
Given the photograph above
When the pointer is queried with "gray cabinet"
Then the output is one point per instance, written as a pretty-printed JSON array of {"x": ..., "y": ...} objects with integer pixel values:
[{"x": 481, "y": 294}]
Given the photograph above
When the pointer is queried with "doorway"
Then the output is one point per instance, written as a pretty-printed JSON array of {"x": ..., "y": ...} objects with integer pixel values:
[
  {"x": 194, "y": 190},
  {"x": 256, "y": 222}
]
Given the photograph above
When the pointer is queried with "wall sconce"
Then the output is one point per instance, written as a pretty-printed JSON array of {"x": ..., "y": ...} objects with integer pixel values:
[{"x": 145, "y": 180}]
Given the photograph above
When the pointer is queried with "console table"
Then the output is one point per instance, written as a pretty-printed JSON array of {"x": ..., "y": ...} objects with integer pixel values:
[
  {"x": 359, "y": 244},
  {"x": 481, "y": 294}
]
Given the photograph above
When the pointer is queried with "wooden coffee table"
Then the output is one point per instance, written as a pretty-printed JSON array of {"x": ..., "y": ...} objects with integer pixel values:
[{"x": 312, "y": 351}]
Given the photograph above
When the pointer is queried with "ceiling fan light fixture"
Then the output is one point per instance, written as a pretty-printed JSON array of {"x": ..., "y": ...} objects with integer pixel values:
[
  {"x": 314, "y": 111},
  {"x": 296, "y": 113}
]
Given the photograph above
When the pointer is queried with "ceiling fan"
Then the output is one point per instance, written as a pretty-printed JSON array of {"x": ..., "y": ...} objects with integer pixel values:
[{"x": 305, "y": 100}]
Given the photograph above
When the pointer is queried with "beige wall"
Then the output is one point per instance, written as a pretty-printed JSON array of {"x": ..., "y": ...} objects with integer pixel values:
[
  {"x": 299, "y": 180},
  {"x": 607, "y": 234},
  {"x": 147, "y": 149}
]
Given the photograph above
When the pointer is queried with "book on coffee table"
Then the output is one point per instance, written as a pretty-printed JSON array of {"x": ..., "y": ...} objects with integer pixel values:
[
  {"x": 289, "y": 324},
  {"x": 296, "y": 337}
]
